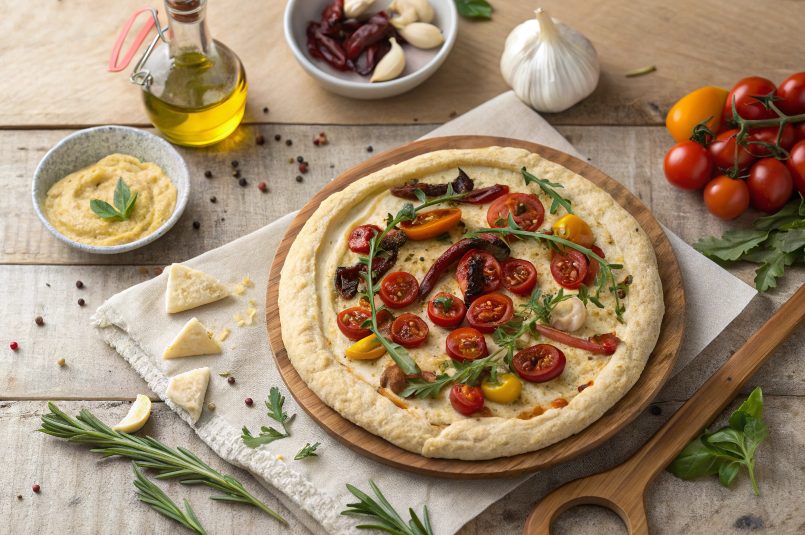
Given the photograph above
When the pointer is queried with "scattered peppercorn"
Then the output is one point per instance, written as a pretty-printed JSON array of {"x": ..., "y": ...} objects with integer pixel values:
[
  {"x": 157, "y": 271},
  {"x": 236, "y": 173},
  {"x": 370, "y": 149},
  {"x": 213, "y": 199},
  {"x": 321, "y": 133},
  {"x": 421, "y": 258},
  {"x": 234, "y": 163},
  {"x": 14, "y": 345},
  {"x": 36, "y": 488},
  {"x": 299, "y": 178},
  {"x": 316, "y": 141},
  {"x": 230, "y": 380},
  {"x": 656, "y": 410},
  {"x": 300, "y": 159},
  {"x": 302, "y": 168},
  {"x": 19, "y": 496},
  {"x": 277, "y": 137},
  {"x": 211, "y": 406},
  {"x": 265, "y": 110},
  {"x": 242, "y": 182},
  {"x": 249, "y": 401},
  {"x": 61, "y": 361},
  {"x": 196, "y": 225},
  {"x": 453, "y": 114},
  {"x": 208, "y": 174},
  {"x": 323, "y": 140},
  {"x": 262, "y": 186},
  {"x": 143, "y": 270},
  {"x": 80, "y": 302},
  {"x": 288, "y": 142},
  {"x": 290, "y": 160},
  {"x": 415, "y": 119},
  {"x": 79, "y": 284},
  {"x": 39, "y": 320},
  {"x": 259, "y": 140}
]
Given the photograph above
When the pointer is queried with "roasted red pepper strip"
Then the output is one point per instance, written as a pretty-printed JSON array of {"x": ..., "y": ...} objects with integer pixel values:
[
  {"x": 333, "y": 13},
  {"x": 332, "y": 51},
  {"x": 312, "y": 45},
  {"x": 486, "y": 242},
  {"x": 375, "y": 29},
  {"x": 461, "y": 184},
  {"x": 604, "y": 344},
  {"x": 347, "y": 279},
  {"x": 485, "y": 195}
]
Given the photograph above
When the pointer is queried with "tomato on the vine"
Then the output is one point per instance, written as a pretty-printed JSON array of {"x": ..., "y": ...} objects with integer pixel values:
[
  {"x": 799, "y": 131},
  {"x": 769, "y": 135},
  {"x": 792, "y": 91},
  {"x": 770, "y": 185},
  {"x": 796, "y": 166},
  {"x": 726, "y": 198},
  {"x": 748, "y": 107},
  {"x": 687, "y": 165},
  {"x": 722, "y": 151},
  {"x": 705, "y": 104},
  {"x": 466, "y": 399}
]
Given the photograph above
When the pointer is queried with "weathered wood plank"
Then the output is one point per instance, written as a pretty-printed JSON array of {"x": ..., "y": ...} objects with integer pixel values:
[{"x": 55, "y": 73}]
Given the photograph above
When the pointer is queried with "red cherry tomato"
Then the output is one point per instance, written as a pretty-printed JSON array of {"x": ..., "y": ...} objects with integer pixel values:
[
  {"x": 539, "y": 363},
  {"x": 569, "y": 269},
  {"x": 466, "y": 399},
  {"x": 527, "y": 210},
  {"x": 359, "y": 238},
  {"x": 399, "y": 289},
  {"x": 490, "y": 270},
  {"x": 687, "y": 165},
  {"x": 593, "y": 266},
  {"x": 722, "y": 151},
  {"x": 490, "y": 311},
  {"x": 799, "y": 132},
  {"x": 443, "y": 315},
  {"x": 770, "y": 185},
  {"x": 747, "y": 107},
  {"x": 726, "y": 198},
  {"x": 792, "y": 90},
  {"x": 769, "y": 135},
  {"x": 796, "y": 166},
  {"x": 409, "y": 330},
  {"x": 466, "y": 343},
  {"x": 349, "y": 322},
  {"x": 519, "y": 276}
]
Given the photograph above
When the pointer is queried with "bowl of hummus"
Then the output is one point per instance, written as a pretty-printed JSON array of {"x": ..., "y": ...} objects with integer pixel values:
[{"x": 110, "y": 189}]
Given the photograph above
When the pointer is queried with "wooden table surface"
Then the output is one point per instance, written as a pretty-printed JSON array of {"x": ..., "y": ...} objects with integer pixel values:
[{"x": 49, "y": 89}]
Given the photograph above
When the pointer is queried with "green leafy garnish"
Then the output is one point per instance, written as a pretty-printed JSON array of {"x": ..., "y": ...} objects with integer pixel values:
[
  {"x": 383, "y": 513},
  {"x": 478, "y": 9},
  {"x": 466, "y": 372},
  {"x": 269, "y": 434},
  {"x": 729, "y": 448},
  {"x": 153, "y": 496},
  {"x": 547, "y": 187},
  {"x": 124, "y": 202},
  {"x": 443, "y": 301},
  {"x": 307, "y": 451},
  {"x": 543, "y": 311}
]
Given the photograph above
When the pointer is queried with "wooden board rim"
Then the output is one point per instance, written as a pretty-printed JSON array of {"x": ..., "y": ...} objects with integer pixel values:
[{"x": 658, "y": 368}]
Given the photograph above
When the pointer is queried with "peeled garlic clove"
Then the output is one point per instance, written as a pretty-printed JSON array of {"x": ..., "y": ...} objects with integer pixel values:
[
  {"x": 356, "y": 8},
  {"x": 391, "y": 65},
  {"x": 406, "y": 11},
  {"x": 422, "y": 35},
  {"x": 424, "y": 11},
  {"x": 569, "y": 315}
]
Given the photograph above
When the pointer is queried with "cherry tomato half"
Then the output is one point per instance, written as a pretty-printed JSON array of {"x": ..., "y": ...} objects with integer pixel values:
[
  {"x": 593, "y": 266},
  {"x": 466, "y": 399},
  {"x": 431, "y": 224},
  {"x": 726, "y": 198},
  {"x": 490, "y": 270},
  {"x": 747, "y": 107},
  {"x": 358, "y": 241},
  {"x": 519, "y": 276},
  {"x": 796, "y": 166},
  {"x": 769, "y": 135},
  {"x": 527, "y": 210},
  {"x": 574, "y": 229},
  {"x": 446, "y": 310},
  {"x": 409, "y": 330},
  {"x": 687, "y": 165},
  {"x": 694, "y": 108},
  {"x": 539, "y": 363},
  {"x": 569, "y": 269},
  {"x": 792, "y": 91},
  {"x": 349, "y": 322},
  {"x": 770, "y": 185},
  {"x": 506, "y": 390},
  {"x": 722, "y": 151},
  {"x": 466, "y": 343},
  {"x": 399, "y": 289},
  {"x": 490, "y": 311}
]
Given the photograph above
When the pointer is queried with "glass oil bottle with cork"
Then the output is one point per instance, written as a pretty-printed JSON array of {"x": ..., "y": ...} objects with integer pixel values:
[{"x": 194, "y": 87}]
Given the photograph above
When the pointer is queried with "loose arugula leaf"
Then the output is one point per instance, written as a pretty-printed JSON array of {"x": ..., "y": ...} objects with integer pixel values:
[
  {"x": 420, "y": 195},
  {"x": 389, "y": 520},
  {"x": 788, "y": 241},
  {"x": 732, "y": 244},
  {"x": 547, "y": 187},
  {"x": 443, "y": 301},
  {"x": 269, "y": 434},
  {"x": 790, "y": 213},
  {"x": 479, "y": 9},
  {"x": 124, "y": 202},
  {"x": 307, "y": 451},
  {"x": 766, "y": 275}
]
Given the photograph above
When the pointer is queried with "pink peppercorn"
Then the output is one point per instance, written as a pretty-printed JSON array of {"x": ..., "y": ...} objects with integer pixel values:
[
  {"x": 316, "y": 141},
  {"x": 36, "y": 488},
  {"x": 321, "y": 133},
  {"x": 231, "y": 380},
  {"x": 302, "y": 168},
  {"x": 14, "y": 345},
  {"x": 249, "y": 401},
  {"x": 261, "y": 186}
]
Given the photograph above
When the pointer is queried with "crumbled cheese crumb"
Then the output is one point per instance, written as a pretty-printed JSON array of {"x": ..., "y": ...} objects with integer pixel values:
[
  {"x": 247, "y": 282},
  {"x": 239, "y": 319},
  {"x": 279, "y": 457},
  {"x": 223, "y": 335},
  {"x": 239, "y": 289},
  {"x": 252, "y": 302},
  {"x": 250, "y": 312}
]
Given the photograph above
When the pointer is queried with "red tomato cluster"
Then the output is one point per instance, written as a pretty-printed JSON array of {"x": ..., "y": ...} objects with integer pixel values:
[{"x": 761, "y": 181}]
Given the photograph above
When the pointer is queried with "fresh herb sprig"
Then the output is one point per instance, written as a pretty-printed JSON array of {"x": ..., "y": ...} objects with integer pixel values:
[
  {"x": 124, "y": 202},
  {"x": 467, "y": 372},
  {"x": 476, "y": 9},
  {"x": 388, "y": 519},
  {"x": 307, "y": 451},
  {"x": 269, "y": 434},
  {"x": 729, "y": 448},
  {"x": 547, "y": 187},
  {"x": 148, "y": 453},
  {"x": 153, "y": 496},
  {"x": 776, "y": 241},
  {"x": 443, "y": 301}
]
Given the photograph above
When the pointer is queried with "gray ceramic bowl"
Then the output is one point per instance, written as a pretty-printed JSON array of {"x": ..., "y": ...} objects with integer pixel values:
[{"x": 87, "y": 147}]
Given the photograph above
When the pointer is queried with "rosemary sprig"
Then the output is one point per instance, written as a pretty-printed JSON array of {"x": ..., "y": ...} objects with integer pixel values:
[
  {"x": 149, "y": 453},
  {"x": 153, "y": 496},
  {"x": 384, "y": 513},
  {"x": 307, "y": 451},
  {"x": 269, "y": 434}
]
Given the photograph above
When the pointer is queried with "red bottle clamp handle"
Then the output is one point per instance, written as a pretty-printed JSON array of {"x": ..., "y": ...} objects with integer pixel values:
[{"x": 117, "y": 67}]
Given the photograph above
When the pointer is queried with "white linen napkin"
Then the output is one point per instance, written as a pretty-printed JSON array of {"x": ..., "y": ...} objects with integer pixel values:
[{"x": 135, "y": 324}]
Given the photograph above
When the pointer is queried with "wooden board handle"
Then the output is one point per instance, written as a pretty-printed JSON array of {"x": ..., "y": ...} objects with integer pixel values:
[{"x": 623, "y": 488}]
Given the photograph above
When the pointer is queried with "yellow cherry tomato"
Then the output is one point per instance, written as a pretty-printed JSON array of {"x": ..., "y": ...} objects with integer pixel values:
[
  {"x": 575, "y": 229},
  {"x": 506, "y": 390},
  {"x": 695, "y": 108},
  {"x": 366, "y": 349}
]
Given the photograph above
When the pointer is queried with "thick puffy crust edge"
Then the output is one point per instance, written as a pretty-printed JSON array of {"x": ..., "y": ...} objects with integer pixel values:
[{"x": 473, "y": 438}]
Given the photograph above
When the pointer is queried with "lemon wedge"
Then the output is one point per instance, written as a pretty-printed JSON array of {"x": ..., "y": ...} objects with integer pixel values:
[{"x": 137, "y": 416}]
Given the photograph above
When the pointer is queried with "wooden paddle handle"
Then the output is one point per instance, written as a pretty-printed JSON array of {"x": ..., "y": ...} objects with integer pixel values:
[{"x": 623, "y": 488}]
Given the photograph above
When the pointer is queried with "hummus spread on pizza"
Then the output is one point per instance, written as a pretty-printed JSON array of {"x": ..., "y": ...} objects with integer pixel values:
[{"x": 512, "y": 303}]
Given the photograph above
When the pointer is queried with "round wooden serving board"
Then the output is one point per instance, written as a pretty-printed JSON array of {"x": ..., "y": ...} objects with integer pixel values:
[{"x": 656, "y": 372}]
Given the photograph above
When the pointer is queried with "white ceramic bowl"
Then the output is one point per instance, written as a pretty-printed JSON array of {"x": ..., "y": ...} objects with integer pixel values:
[
  {"x": 86, "y": 147},
  {"x": 420, "y": 64}
]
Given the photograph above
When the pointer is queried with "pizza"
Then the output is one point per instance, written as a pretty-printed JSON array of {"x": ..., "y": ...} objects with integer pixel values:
[{"x": 509, "y": 304}]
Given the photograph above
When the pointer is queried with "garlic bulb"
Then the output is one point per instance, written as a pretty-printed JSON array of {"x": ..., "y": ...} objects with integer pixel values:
[
  {"x": 550, "y": 66},
  {"x": 391, "y": 65},
  {"x": 356, "y": 8},
  {"x": 422, "y": 35},
  {"x": 569, "y": 315}
]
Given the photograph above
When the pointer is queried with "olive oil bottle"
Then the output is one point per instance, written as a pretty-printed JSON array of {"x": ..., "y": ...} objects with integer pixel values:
[{"x": 195, "y": 87}]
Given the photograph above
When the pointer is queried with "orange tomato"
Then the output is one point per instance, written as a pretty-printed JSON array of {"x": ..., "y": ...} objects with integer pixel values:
[
  {"x": 695, "y": 108},
  {"x": 431, "y": 224},
  {"x": 574, "y": 229}
]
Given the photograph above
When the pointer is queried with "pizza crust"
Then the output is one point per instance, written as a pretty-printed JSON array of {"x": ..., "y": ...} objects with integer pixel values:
[{"x": 306, "y": 302}]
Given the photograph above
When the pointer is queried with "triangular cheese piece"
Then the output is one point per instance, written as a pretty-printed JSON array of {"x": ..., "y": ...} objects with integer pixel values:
[
  {"x": 194, "y": 339},
  {"x": 188, "y": 288},
  {"x": 188, "y": 390}
]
